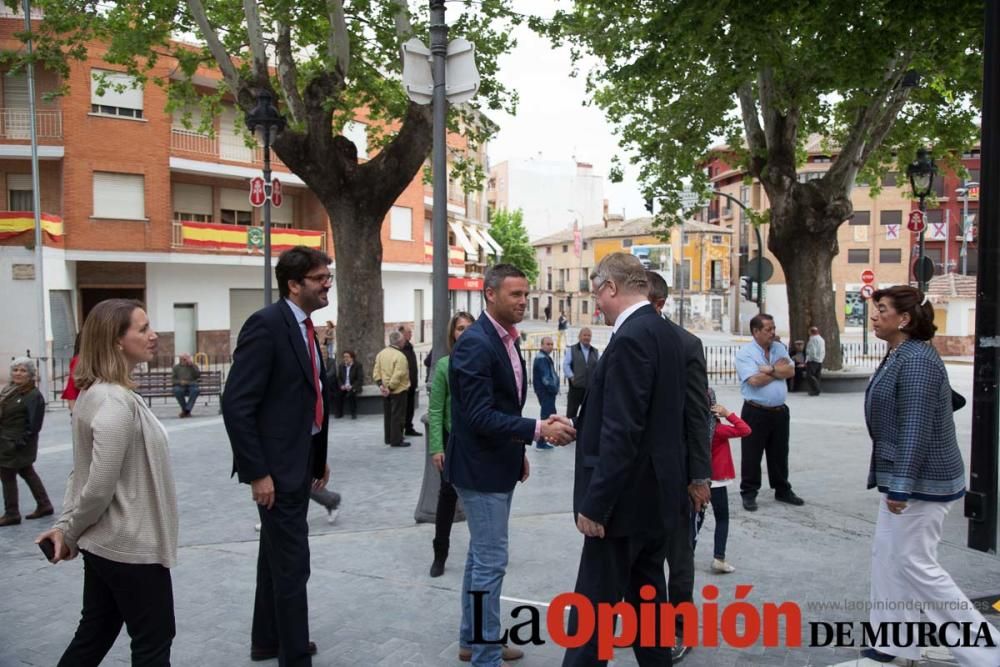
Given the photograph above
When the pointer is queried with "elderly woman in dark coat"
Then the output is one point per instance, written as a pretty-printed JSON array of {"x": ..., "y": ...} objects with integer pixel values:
[{"x": 22, "y": 410}]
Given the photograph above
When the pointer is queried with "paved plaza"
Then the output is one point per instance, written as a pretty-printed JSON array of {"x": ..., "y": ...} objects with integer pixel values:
[{"x": 371, "y": 600}]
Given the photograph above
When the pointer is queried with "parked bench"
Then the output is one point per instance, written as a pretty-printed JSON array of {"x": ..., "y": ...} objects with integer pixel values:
[{"x": 160, "y": 384}]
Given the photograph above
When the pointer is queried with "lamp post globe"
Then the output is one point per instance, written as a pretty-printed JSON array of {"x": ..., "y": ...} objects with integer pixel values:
[{"x": 264, "y": 121}]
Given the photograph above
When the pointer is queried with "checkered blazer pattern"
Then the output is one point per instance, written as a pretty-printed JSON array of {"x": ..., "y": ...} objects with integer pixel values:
[{"x": 909, "y": 416}]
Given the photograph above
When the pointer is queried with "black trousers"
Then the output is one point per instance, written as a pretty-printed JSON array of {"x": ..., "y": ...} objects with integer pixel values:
[
  {"x": 411, "y": 405},
  {"x": 814, "y": 371},
  {"x": 280, "y": 609},
  {"x": 574, "y": 399},
  {"x": 342, "y": 399},
  {"x": 680, "y": 564},
  {"x": 394, "y": 417},
  {"x": 140, "y": 596},
  {"x": 770, "y": 438},
  {"x": 613, "y": 569}
]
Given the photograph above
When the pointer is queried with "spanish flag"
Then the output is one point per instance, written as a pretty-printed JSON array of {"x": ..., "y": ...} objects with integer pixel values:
[
  {"x": 216, "y": 236},
  {"x": 13, "y": 223}
]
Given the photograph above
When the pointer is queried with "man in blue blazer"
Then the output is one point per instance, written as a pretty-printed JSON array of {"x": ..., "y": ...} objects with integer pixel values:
[
  {"x": 275, "y": 411},
  {"x": 485, "y": 455},
  {"x": 631, "y": 486},
  {"x": 545, "y": 382}
]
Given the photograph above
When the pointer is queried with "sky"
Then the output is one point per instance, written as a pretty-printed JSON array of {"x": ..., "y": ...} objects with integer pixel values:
[{"x": 551, "y": 121}]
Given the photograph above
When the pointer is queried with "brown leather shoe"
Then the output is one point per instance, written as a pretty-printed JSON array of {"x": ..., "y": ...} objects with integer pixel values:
[
  {"x": 10, "y": 519},
  {"x": 40, "y": 511},
  {"x": 257, "y": 653},
  {"x": 509, "y": 653}
]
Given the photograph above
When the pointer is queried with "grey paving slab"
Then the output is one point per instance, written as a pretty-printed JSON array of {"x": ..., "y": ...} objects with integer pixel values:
[{"x": 371, "y": 601}]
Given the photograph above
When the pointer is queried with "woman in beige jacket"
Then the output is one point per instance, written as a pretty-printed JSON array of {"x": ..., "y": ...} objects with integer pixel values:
[{"x": 120, "y": 508}]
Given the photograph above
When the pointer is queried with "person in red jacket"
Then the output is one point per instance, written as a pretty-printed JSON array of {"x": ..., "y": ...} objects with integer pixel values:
[{"x": 723, "y": 474}]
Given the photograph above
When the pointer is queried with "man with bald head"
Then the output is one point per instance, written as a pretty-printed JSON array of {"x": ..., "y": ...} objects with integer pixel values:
[
  {"x": 546, "y": 383},
  {"x": 578, "y": 367}
]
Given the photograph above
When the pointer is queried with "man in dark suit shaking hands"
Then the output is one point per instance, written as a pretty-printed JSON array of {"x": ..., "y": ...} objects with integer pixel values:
[
  {"x": 485, "y": 454},
  {"x": 275, "y": 411},
  {"x": 630, "y": 490}
]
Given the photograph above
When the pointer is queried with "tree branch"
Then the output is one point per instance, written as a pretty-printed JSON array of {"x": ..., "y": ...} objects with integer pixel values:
[
  {"x": 256, "y": 39},
  {"x": 404, "y": 29},
  {"x": 338, "y": 44},
  {"x": 215, "y": 46},
  {"x": 756, "y": 141},
  {"x": 388, "y": 171},
  {"x": 288, "y": 73}
]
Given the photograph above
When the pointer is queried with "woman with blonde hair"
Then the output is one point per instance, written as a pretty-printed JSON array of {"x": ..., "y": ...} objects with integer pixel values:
[
  {"x": 120, "y": 508},
  {"x": 22, "y": 410}
]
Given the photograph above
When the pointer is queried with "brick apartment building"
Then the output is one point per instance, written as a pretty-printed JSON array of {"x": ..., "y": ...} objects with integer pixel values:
[
  {"x": 137, "y": 204},
  {"x": 875, "y": 237}
]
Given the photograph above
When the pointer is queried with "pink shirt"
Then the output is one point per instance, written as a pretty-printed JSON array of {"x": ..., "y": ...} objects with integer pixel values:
[{"x": 507, "y": 337}]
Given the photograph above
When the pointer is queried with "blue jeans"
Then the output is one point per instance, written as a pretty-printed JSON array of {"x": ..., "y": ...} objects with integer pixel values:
[
  {"x": 486, "y": 515},
  {"x": 191, "y": 391}
]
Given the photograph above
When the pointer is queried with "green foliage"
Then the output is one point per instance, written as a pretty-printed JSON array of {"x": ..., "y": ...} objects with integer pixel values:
[
  {"x": 507, "y": 227},
  {"x": 668, "y": 73},
  {"x": 139, "y": 33}
]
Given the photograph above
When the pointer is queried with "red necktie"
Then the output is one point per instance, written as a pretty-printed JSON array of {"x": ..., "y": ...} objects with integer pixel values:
[{"x": 311, "y": 335}]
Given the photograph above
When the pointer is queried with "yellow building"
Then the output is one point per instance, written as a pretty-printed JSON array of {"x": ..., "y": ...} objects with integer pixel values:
[{"x": 695, "y": 262}]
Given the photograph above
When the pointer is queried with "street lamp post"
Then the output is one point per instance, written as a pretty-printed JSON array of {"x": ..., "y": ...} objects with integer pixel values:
[
  {"x": 921, "y": 172},
  {"x": 964, "y": 192},
  {"x": 265, "y": 122}
]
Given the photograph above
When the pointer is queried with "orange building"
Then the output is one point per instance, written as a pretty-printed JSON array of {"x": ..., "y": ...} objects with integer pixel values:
[{"x": 140, "y": 204}]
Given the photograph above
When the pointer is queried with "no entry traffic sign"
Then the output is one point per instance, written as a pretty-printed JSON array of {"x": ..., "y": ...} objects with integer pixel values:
[{"x": 867, "y": 276}]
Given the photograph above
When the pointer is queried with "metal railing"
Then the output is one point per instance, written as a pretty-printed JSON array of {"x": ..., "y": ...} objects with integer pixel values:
[
  {"x": 234, "y": 150},
  {"x": 16, "y": 124}
]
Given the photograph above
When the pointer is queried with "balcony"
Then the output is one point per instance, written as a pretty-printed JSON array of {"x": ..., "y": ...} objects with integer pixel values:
[
  {"x": 16, "y": 124},
  {"x": 231, "y": 149},
  {"x": 217, "y": 237}
]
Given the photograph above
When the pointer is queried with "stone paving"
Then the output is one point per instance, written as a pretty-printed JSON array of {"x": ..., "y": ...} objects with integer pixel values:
[{"x": 372, "y": 603}]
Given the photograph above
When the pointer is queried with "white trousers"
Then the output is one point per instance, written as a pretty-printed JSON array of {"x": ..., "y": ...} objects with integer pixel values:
[{"x": 905, "y": 572}]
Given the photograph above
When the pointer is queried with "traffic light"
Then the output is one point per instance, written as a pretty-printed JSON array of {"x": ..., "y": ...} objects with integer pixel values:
[
  {"x": 649, "y": 204},
  {"x": 746, "y": 287}
]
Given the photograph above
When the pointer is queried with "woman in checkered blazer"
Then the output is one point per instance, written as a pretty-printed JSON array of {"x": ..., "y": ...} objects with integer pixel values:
[{"x": 918, "y": 469}]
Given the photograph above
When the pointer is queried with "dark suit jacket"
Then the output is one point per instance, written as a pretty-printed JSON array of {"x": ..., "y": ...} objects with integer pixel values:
[
  {"x": 630, "y": 469},
  {"x": 338, "y": 379},
  {"x": 697, "y": 416},
  {"x": 486, "y": 446},
  {"x": 269, "y": 402}
]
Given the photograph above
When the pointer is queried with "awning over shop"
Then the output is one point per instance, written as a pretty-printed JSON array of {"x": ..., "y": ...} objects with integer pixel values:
[
  {"x": 462, "y": 239},
  {"x": 478, "y": 237},
  {"x": 492, "y": 241}
]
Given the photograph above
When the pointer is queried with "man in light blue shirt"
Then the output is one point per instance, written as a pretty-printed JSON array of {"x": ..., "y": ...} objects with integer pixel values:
[{"x": 763, "y": 365}]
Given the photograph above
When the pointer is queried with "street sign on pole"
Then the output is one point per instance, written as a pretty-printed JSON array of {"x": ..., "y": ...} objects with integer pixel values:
[
  {"x": 923, "y": 269},
  {"x": 867, "y": 291},
  {"x": 275, "y": 192},
  {"x": 867, "y": 276},
  {"x": 257, "y": 194},
  {"x": 916, "y": 222}
]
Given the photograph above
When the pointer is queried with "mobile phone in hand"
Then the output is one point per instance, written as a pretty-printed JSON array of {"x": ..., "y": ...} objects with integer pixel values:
[{"x": 48, "y": 548}]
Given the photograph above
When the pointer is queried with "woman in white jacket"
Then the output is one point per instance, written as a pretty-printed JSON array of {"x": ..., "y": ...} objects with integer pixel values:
[{"x": 120, "y": 508}]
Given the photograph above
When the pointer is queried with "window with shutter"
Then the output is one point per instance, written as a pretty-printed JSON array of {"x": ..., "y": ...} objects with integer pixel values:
[
  {"x": 231, "y": 143},
  {"x": 16, "y": 116},
  {"x": 119, "y": 196},
  {"x": 192, "y": 202},
  {"x": 283, "y": 216},
  {"x": 115, "y": 94},
  {"x": 235, "y": 208},
  {"x": 19, "y": 193}
]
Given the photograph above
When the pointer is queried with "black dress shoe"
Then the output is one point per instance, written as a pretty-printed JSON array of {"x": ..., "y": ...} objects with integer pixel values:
[
  {"x": 749, "y": 503},
  {"x": 257, "y": 653},
  {"x": 877, "y": 656},
  {"x": 413, "y": 432},
  {"x": 405, "y": 443},
  {"x": 790, "y": 498}
]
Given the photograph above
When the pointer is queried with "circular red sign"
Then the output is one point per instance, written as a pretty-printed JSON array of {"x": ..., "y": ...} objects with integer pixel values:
[
  {"x": 867, "y": 291},
  {"x": 867, "y": 276}
]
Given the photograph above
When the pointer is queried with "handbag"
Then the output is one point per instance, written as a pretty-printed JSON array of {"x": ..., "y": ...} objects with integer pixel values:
[{"x": 957, "y": 401}]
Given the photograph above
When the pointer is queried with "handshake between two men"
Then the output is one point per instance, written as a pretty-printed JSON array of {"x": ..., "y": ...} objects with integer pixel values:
[{"x": 558, "y": 430}]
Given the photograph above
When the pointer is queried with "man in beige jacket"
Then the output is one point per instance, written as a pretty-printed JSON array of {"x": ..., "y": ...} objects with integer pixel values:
[{"x": 392, "y": 375}]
